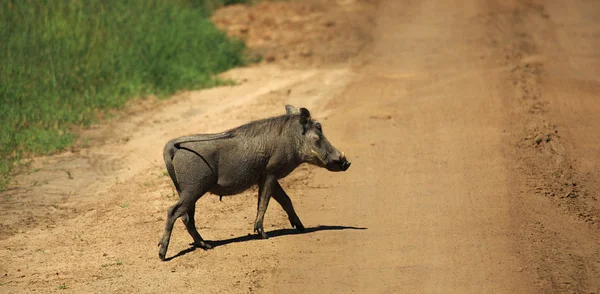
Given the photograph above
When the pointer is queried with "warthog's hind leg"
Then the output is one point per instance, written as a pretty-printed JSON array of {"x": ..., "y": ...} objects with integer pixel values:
[
  {"x": 187, "y": 201},
  {"x": 190, "y": 225},
  {"x": 176, "y": 211},
  {"x": 194, "y": 177}
]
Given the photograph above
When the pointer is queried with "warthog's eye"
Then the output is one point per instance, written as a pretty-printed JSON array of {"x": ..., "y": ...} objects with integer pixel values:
[{"x": 318, "y": 126}]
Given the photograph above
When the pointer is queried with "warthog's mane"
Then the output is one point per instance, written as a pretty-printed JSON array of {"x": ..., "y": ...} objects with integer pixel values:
[{"x": 274, "y": 125}]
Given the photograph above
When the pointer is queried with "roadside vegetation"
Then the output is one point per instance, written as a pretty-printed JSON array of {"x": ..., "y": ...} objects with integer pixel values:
[{"x": 63, "y": 62}]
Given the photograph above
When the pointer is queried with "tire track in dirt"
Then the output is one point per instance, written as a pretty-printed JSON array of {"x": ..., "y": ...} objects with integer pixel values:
[{"x": 565, "y": 258}]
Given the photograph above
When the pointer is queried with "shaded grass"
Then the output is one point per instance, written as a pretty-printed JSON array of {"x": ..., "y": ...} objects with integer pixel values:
[{"x": 65, "y": 60}]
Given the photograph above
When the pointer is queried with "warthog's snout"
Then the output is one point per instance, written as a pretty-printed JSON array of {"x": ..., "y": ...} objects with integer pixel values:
[
  {"x": 346, "y": 165},
  {"x": 340, "y": 164}
]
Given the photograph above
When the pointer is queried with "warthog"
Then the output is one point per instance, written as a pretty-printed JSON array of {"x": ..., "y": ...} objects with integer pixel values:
[{"x": 260, "y": 152}]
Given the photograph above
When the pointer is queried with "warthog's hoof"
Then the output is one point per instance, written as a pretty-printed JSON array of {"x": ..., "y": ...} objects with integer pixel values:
[
  {"x": 298, "y": 225},
  {"x": 300, "y": 228},
  {"x": 261, "y": 233},
  {"x": 162, "y": 252},
  {"x": 202, "y": 245}
]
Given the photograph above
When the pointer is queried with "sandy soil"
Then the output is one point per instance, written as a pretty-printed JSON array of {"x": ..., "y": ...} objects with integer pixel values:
[{"x": 473, "y": 131}]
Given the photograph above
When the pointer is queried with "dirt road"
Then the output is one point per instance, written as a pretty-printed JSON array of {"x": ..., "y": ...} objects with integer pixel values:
[{"x": 473, "y": 131}]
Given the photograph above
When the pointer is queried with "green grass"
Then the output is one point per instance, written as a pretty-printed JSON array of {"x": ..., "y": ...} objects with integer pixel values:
[{"x": 65, "y": 61}]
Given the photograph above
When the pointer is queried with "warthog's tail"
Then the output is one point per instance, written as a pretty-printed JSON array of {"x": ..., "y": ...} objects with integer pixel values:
[{"x": 172, "y": 146}]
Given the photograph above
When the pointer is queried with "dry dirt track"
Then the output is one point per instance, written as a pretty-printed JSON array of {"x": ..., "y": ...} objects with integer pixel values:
[{"x": 473, "y": 130}]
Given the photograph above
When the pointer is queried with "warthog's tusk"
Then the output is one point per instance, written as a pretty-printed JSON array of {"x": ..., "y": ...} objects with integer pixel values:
[
  {"x": 318, "y": 156},
  {"x": 343, "y": 155}
]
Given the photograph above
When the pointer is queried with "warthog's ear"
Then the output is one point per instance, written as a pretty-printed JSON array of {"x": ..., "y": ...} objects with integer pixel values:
[
  {"x": 291, "y": 109},
  {"x": 304, "y": 115},
  {"x": 304, "y": 119}
]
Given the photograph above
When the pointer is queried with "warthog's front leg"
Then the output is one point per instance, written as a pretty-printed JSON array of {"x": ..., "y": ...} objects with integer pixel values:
[
  {"x": 286, "y": 203},
  {"x": 266, "y": 186}
]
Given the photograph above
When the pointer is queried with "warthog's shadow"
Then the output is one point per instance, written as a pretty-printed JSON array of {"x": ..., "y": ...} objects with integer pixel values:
[{"x": 272, "y": 234}]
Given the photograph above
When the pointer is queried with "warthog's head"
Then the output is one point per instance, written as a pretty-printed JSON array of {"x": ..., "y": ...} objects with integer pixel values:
[{"x": 314, "y": 146}]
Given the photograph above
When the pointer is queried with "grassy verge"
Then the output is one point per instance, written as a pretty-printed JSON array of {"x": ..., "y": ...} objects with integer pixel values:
[{"x": 62, "y": 61}]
